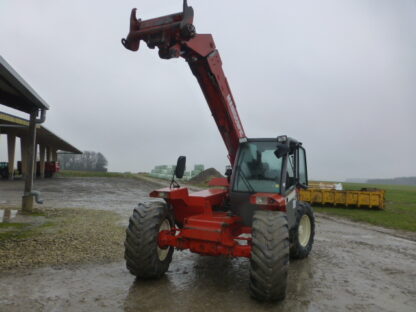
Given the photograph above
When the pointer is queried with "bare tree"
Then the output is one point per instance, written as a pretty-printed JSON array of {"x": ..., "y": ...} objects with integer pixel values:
[{"x": 88, "y": 160}]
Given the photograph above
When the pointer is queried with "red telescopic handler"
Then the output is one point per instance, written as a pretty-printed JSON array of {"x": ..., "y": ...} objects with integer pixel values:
[{"x": 254, "y": 212}]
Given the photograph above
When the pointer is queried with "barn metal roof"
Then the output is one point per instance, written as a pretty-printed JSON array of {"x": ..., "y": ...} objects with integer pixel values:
[
  {"x": 16, "y": 93},
  {"x": 20, "y": 127}
]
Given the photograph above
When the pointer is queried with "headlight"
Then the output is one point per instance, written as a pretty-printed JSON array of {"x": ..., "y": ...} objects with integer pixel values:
[
  {"x": 263, "y": 200},
  {"x": 163, "y": 195}
]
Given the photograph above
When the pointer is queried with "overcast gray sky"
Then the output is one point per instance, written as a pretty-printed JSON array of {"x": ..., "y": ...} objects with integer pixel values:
[{"x": 337, "y": 75}]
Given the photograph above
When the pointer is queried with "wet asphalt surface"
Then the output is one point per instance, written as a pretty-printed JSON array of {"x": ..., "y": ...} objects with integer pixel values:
[{"x": 352, "y": 267}]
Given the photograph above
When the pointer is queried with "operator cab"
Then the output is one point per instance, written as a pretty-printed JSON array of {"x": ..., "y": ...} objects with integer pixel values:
[{"x": 275, "y": 166}]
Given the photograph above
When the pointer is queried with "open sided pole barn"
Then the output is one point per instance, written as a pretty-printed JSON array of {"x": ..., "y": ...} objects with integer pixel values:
[
  {"x": 17, "y": 94},
  {"x": 47, "y": 145}
]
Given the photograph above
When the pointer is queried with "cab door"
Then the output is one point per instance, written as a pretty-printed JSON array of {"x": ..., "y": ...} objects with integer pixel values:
[
  {"x": 289, "y": 177},
  {"x": 294, "y": 175},
  {"x": 301, "y": 168}
]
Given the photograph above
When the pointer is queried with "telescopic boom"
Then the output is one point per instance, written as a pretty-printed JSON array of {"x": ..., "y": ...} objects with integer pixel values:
[{"x": 175, "y": 36}]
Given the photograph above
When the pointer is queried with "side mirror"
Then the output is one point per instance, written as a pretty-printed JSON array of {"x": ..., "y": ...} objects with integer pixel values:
[
  {"x": 228, "y": 171},
  {"x": 180, "y": 167},
  {"x": 281, "y": 150}
]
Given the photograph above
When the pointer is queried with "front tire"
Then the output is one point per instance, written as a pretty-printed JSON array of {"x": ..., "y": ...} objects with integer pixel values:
[
  {"x": 269, "y": 256},
  {"x": 303, "y": 233},
  {"x": 144, "y": 258}
]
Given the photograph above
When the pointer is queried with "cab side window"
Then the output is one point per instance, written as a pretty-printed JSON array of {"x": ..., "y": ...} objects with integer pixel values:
[
  {"x": 303, "y": 176},
  {"x": 290, "y": 176}
]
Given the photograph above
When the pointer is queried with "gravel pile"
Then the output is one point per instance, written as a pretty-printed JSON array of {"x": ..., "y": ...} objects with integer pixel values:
[
  {"x": 68, "y": 236},
  {"x": 205, "y": 176}
]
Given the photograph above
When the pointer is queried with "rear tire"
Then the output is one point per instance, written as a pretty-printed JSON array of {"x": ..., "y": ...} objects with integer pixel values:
[
  {"x": 144, "y": 258},
  {"x": 269, "y": 256},
  {"x": 303, "y": 233}
]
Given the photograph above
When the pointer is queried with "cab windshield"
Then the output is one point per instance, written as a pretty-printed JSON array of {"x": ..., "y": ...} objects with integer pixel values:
[{"x": 258, "y": 169}]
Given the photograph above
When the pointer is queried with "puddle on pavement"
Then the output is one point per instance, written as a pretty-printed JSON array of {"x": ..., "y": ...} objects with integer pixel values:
[{"x": 7, "y": 214}]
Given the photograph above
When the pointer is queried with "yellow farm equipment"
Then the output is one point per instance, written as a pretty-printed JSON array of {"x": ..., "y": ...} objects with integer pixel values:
[{"x": 371, "y": 198}]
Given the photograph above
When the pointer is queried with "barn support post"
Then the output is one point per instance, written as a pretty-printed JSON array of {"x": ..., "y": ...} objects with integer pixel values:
[
  {"x": 28, "y": 197},
  {"x": 11, "y": 148},
  {"x": 42, "y": 161}
]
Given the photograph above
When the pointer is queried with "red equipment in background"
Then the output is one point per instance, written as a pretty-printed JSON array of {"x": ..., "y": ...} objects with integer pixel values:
[{"x": 51, "y": 167}]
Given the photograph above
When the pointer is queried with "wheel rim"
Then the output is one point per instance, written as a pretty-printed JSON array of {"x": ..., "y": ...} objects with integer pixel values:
[
  {"x": 304, "y": 230},
  {"x": 162, "y": 253}
]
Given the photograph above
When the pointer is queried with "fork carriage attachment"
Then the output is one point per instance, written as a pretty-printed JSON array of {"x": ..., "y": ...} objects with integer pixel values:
[
  {"x": 203, "y": 230},
  {"x": 165, "y": 32}
]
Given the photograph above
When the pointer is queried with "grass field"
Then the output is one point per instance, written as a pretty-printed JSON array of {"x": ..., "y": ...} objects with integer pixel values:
[{"x": 400, "y": 211}]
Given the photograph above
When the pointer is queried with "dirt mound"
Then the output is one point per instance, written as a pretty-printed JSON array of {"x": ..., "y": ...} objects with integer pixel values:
[{"x": 205, "y": 176}]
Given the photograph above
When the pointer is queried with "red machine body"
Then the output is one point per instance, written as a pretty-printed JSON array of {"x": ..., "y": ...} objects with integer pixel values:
[{"x": 202, "y": 228}]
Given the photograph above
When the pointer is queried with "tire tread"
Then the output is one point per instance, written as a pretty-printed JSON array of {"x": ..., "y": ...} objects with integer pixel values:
[
  {"x": 269, "y": 256},
  {"x": 141, "y": 240}
]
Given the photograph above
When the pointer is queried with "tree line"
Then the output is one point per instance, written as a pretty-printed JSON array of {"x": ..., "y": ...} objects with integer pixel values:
[{"x": 87, "y": 161}]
